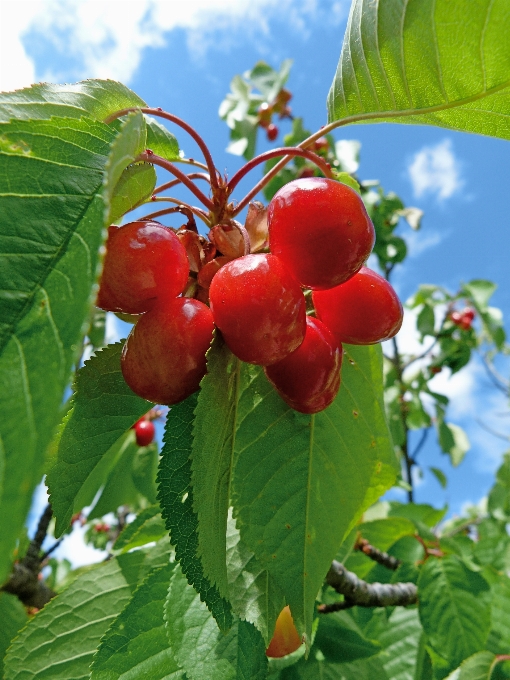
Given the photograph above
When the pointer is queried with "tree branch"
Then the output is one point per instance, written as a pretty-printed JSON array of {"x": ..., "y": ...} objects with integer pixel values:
[
  {"x": 377, "y": 555},
  {"x": 358, "y": 593}
]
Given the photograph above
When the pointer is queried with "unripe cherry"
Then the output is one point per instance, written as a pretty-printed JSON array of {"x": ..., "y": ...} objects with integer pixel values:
[
  {"x": 163, "y": 359},
  {"x": 321, "y": 230},
  {"x": 144, "y": 432},
  {"x": 286, "y": 638},
  {"x": 308, "y": 379},
  {"x": 143, "y": 261},
  {"x": 259, "y": 308},
  {"x": 362, "y": 311}
]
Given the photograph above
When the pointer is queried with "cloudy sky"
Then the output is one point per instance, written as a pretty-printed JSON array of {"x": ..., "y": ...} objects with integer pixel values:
[{"x": 182, "y": 55}]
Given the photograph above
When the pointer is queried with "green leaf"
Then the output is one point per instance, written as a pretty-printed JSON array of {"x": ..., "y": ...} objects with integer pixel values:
[
  {"x": 104, "y": 408},
  {"x": 52, "y": 229},
  {"x": 267, "y": 80},
  {"x": 60, "y": 641},
  {"x": 480, "y": 291},
  {"x": 199, "y": 646},
  {"x": 136, "y": 645},
  {"x": 13, "y": 617},
  {"x": 499, "y": 636},
  {"x": 477, "y": 667},
  {"x": 401, "y": 641},
  {"x": 147, "y": 526},
  {"x": 287, "y": 473},
  {"x": 176, "y": 499},
  {"x": 426, "y": 320},
  {"x": 341, "y": 641},
  {"x": 320, "y": 669},
  {"x": 454, "y": 608},
  {"x": 419, "y": 513},
  {"x": 454, "y": 441},
  {"x": 96, "y": 99},
  {"x": 135, "y": 185},
  {"x": 422, "y": 63},
  {"x": 440, "y": 476},
  {"x": 161, "y": 141},
  {"x": 499, "y": 495}
]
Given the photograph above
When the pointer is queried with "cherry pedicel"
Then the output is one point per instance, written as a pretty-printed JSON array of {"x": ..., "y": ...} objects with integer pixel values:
[
  {"x": 163, "y": 359},
  {"x": 272, "y": 132},
  {"x": 308, "y": 379},
  {"x": 259, "y": 308},
  {"x": 362, "y": 311},
  {"x": 144, "y": 432},
  {"x": 321, "y": 230},
  {"x": 143, "y": 261}
]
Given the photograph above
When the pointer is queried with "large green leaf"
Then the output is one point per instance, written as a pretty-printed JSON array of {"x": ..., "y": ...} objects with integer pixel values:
[
  {"x": 161, "y": 141},
  {"x": 454, "y": 605},
  {"x": 321, "y": 669},
  {"x": 499, "y": 496},
  {"x": 340, "y": 640},
  {"x": 56, "y": 178},
  {"x": 135, "y": 186},
  {"x": 499, "y": 636},
  {"x": 477, "y": 667},
  {"x": 201, "y": 648},
  {"x": 136, "y": 646},
  {"x": 60, "y": 641},
  {"x": 13, "y": 617},
  {"x": 93, "y": 98},
  {"x": 104, "y": 408},
  {"x": 401, "y": 641},
  {"x": 176, "y": 499},
  {"x": 434, "y": 62}
]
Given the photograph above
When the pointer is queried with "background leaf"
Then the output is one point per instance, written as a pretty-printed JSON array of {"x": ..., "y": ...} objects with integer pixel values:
[
  {"x": 147, "y": 526},
  {"x": 340, "y": 640},
  {"x": 423, "y": 63},
  {"x": 161, "y": 141},
  {"x": 13, "y": 617},
  {"x": 401, "y": 640},
  {"x": 135, "y": 185},
  {"x": 477, "y": 667}
]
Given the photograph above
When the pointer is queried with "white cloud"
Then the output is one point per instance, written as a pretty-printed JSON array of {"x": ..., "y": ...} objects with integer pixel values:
[
  {"x": 420, "y": 241},
  {"x": 435, "y": 170},
  {"x": 106, "y": 38}
]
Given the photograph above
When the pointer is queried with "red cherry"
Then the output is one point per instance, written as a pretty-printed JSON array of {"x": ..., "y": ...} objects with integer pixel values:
[
  {"x": 259, "y": 308},
  {"x": 362, "y": 311},
  {"x": 468, "y": 313},
  {"x": 143, "y": 260},
  {"x": 308, "y": 379},
  {"x": 321, "y": 145},
  {"x": 286, "y": 638},
  {"x": 307, "y": 172},
  {"x": 265, "y": 112},
  {"x": 456, "y": 318},
  {"x": 321, "y": 230},
  {"x": 163, "y": 359},
  {"x": 272, "y": 132},
  {"x": 435, "y": 370},
  {"x": 144, "y": 431}
]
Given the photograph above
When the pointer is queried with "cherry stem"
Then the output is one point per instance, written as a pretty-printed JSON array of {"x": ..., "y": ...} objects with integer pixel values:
[
  {"x": 149, "y": 157},
  {"x": 181, "y": 123},
  {"x": 192, "y": 161},
  {"x": 288, "y": 153},
  {"x": 174, "y": 182},
  {"x": 196, "y": 211}
]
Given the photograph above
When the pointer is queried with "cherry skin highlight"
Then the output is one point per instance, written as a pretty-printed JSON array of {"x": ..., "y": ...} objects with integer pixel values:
[
  {"x": 362, "y": 311},
  {"x": 321, "y": 230},
  {"x": 163, "y": 359},
  {"x": 144, "y": 432},
  {"x": 286, "y": 638},
  {"x": 143, "y": 261},
  {"x": 259, "y": 308},
  {"x": 308, "y": 379}
]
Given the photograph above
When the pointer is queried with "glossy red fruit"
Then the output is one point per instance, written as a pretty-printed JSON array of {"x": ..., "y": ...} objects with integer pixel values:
[
  {"x": 286, "y": 638},
  {"x": 468, "y": 313},
  {"x": 163, "y": 359},
  {"x": 144, "y": 432},
  {"x": 308, "y": 379},
  {"x": 259, "y": 308},
  {"x": 143, "y": 261},
  {"x": 265, "y": 113},
  {"x": 321, "y": 230},
  {"x": 363, "y": 310},
  {"x": 272, "y": 132}
]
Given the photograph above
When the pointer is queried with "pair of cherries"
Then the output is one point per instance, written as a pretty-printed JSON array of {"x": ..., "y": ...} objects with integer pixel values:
[{"x": 320, "y": 235}]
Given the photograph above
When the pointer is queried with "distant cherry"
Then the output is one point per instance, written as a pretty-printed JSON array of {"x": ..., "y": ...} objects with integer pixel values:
[
  {"x": 308, "y": 379},
  {"x": 286, "y": 638},
  {"x": 272, "y": 132},
  {"x": 362, "y": 311},
  {"x": 144, "y": 432},
  {"x": 143, "y": 261},
  {"x": 265, "y": 113},
  {"x": 321, "y": 230},
  {"x": 163, "y": 359},
  {"x": 321, "y": 145},
  {"x": 259, "y": 308}
]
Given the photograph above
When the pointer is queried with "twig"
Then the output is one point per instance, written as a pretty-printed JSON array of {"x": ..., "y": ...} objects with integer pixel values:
[
  {"x": 420, "y": 444},
  {"x": 377, "y": 555}
]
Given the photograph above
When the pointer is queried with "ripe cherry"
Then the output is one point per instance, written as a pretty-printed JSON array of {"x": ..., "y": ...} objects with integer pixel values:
[
  {"x": 463, "y": 319},
  {"x": 143, "y": 261},
  {"x": 321, "y": 230},
  {"x": 163, "y": 359},
  {"x": 144, "y": 431},
  {"x": 285, "y": 639},
  {"x": 308, "y": 379},
  {"x": 363, "y": 310},
  {"x": 272, "y": 132},
  {"x": 321, "y": 145},
  {"x": 259, "y": 308},
  {"x": 265, "y": 112}
]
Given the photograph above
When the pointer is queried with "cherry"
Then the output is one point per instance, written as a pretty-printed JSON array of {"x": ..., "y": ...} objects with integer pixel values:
[
  {"x": 468, "y": 313},
  {"x": 143, "y": 260},
  {"x": 321, "y": 145},
  {"x": 163, "y": 359},
  {"x": 321, "y": 230},
  {"x": 285, "y": 639},
  {"x": 463, "y": 319},
  {"x": 308, "y": 379},
  {"x": 259, "y": 308},
  {"x": 307, "y": 172},
  {"x": 265, "y": 112},
  {"x": 144, "y": 431},
  {"x": 362, "y": 311},
  {"x": 272, "y": 132}
]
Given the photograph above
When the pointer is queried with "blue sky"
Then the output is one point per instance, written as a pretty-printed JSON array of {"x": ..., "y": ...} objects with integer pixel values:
[{"x": 182, "y": 56}]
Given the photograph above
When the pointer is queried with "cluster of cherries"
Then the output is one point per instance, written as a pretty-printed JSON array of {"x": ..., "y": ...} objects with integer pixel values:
[
  {"x": 266, "y": 111},
  {"x": 320, "y": 236},
  {"x": 463, "y": 319}
]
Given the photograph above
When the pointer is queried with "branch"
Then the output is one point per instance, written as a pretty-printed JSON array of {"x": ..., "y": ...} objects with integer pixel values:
[
  {"x": 358, "y": 593},
  {"x": 377, "y": 555}
]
